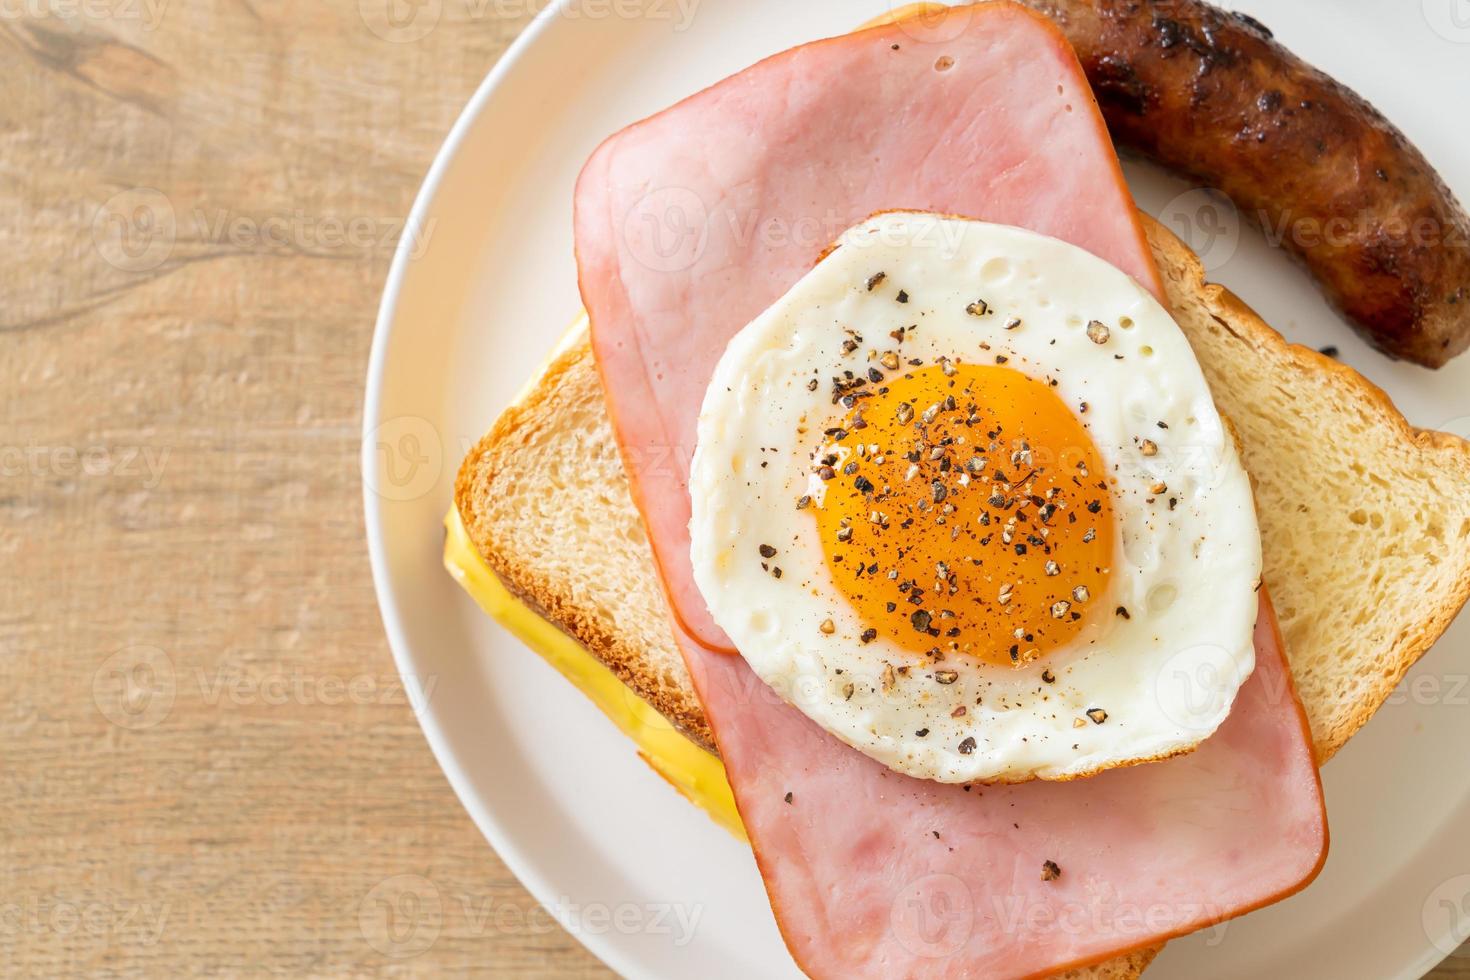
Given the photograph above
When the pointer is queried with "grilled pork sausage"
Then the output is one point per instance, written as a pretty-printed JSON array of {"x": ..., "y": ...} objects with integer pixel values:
[{"x": 1211, "y": 94}]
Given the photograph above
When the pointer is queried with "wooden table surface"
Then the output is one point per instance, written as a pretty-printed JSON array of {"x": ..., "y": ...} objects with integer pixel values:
[{"x": 207, "y": 762}]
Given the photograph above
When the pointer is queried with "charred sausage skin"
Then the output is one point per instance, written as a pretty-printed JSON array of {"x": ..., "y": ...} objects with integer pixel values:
[{"x": 1211, "y": 94}]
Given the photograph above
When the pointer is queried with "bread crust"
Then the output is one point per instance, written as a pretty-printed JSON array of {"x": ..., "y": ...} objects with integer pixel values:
[
  {"x": 563, "y": 390},
  {"x": 1186, "y": 283}
]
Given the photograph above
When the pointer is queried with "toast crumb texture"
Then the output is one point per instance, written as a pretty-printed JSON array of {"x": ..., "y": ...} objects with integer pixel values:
[
  {"x": 1124, "y": 967},
  {"x": 1365, "y": 521},
  {"x": 547, "y": 503}
]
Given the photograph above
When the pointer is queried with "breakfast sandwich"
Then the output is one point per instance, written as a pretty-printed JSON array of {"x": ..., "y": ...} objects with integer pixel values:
[{"x": 918, "y": 510}]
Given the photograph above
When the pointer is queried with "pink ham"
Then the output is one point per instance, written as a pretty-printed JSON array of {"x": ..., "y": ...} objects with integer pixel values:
[
  {"x": 691, "y": 223},
  {"x": 874, "y": 874}
]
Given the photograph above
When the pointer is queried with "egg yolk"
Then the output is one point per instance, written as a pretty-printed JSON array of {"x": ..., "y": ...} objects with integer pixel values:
[{"x": 964, "y": 510}]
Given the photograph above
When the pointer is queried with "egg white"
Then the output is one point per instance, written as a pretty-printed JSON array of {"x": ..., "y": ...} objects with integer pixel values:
[{"x": 1162, "y": 679}]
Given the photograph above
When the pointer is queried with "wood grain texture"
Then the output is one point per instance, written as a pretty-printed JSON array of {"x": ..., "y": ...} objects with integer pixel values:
[
  {"x": 180, "y": 504},
  {"x": 207, "y": 763}
]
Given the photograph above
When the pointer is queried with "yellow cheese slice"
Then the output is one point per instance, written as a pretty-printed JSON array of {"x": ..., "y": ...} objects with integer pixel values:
[{"x": 694, "y": 772}]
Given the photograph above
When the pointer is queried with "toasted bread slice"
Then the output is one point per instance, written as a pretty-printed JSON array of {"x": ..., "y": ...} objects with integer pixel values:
[
  {"x": 545, "y": 499},
  {"x": 1365, "y": 521}
]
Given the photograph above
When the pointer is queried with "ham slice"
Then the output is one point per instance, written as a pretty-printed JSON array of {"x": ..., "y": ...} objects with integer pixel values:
[
  {"x": 875, "y": 874},
  {"x": 691, "y": 223}
]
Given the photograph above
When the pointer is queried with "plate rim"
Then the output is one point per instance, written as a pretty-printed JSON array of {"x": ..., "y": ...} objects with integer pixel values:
[{"x": 490, "y": 827}]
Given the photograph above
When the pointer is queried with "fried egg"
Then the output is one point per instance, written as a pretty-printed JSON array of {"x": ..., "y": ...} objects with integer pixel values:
[{"x": 962, "y": 497}]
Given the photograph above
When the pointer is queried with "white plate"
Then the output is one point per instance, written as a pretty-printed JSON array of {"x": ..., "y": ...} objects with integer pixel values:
[{"x": 594, "y": 834}]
